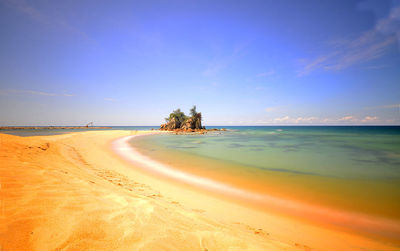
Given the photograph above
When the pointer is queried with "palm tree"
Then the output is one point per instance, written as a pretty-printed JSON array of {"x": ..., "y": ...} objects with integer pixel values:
[{"x": 193, "y": 111}]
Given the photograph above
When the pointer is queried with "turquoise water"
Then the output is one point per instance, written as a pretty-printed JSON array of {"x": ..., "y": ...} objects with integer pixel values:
[
  {"x": 343, "y": 152},
  {"x": 333, "y": 151},
  {"x": 353, "y": 168}
]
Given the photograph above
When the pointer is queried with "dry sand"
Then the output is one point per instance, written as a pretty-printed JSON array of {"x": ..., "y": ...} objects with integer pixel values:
[{"x": 73, "y": 192}]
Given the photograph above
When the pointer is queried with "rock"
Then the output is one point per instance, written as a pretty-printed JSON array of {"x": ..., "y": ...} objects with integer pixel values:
[
  {"x": 180, "y": 123},
  {"x": 193, "y": 123},
  {"x": 188, "y": 124},
  {"x": 171, "y": 125}
]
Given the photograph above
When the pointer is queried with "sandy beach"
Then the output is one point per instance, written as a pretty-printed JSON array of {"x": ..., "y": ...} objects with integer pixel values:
[{"x": 74, "y": 192}]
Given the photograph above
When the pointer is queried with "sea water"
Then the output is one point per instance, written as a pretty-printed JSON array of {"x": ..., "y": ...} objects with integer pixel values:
[{"x": 352, "y": 168}]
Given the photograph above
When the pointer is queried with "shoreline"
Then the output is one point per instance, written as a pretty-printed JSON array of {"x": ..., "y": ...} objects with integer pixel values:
[
  {"x": 357, "y": 222},
  {"x": 5, "y": 128},
  {"x": 72, "y": 191}
]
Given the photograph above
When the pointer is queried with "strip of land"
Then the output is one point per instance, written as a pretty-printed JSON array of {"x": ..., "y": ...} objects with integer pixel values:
[
  {"x": 73, "y": 192},
  {"x": 51, "y": 127}
]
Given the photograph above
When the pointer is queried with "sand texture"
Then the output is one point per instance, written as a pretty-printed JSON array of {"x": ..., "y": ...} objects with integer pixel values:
[{"x": 72, "y": 192}]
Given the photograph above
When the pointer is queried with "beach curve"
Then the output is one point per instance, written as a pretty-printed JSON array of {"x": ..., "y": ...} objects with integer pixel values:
[
  {"x": 73, "y": 192},
  {"x": 353, "y": 221}
]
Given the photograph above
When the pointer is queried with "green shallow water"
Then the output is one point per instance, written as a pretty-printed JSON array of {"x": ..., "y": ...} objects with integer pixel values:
[{"x": 349, "y": 167}]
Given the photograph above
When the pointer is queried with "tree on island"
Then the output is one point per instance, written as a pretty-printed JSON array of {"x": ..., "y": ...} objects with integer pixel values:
[
  {"x": 193, "y": 111},
  {"x": 178, "y": 120},
  {"x": 177, "y": 115}
]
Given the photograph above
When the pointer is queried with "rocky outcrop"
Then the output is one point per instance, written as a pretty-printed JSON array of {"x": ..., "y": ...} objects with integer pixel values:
[
  {"x": 179, "y": 122},
  {"x": 193, "y": 123},
  {"x": 190, "y": 124},
  {"x": 171, "y": 125}
]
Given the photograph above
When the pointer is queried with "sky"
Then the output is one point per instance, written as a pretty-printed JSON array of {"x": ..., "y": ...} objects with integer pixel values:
[{"x": 240, "y": 62}]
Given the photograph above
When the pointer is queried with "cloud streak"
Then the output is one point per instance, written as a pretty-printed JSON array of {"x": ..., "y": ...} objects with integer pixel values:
[
  {"x": 38, "y": 93},
  {"x": 386, "y": 106},
  {"x": 310, "y": 120},
  {"x": 47, "y": 20},
  {"x": 314, "y": 120},
  {"x": 215, "y": 67},
  {"x": 367, "y": 46},
  {"x": 265, "y": 74},
  {"x": 217, "y": 64}
]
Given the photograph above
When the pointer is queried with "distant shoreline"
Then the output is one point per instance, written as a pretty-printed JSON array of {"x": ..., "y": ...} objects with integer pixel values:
[{"x": 51, "y": 127}]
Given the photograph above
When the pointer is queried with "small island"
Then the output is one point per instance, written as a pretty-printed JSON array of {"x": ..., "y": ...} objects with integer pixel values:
[{"x": 181, "y": 123}]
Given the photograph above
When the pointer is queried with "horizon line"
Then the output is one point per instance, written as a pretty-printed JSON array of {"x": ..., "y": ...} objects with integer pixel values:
[{"x": 207, "y": 126}]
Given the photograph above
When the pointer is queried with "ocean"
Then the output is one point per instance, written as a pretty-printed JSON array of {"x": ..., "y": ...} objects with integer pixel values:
[
  {"x": 346, "y": 168},
  {"x": 348, "y": 176}
]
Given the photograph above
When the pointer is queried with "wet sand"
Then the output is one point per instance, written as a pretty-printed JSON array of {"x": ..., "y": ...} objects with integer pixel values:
[
  {"x": 74, "y": 192},
  {"x": 378, "y": 227}
]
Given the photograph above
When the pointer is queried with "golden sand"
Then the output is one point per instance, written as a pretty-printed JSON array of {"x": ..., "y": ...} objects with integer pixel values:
[{"x": 73, "y": 192}]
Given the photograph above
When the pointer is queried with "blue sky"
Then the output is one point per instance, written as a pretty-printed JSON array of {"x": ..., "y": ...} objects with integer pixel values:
[{"x": 240, "y": 62}]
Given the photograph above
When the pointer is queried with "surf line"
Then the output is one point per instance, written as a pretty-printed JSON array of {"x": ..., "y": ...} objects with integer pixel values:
[{"x": 355, "y": 221}]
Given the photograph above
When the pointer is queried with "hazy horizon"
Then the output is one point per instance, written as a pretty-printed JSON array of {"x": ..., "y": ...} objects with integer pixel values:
[{"x": 212, "y": 125}]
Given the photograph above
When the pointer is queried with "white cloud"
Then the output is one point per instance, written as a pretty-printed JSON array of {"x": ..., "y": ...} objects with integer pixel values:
[
  {"x": 109, "y": 99},
  {"x": 314, "y": 64},
  {"x": 282, "y": 119},
  {"x": 295, "y": 120},
  {"x": 367, "y": 46},
  {"x": 39, "y": 93},
  {"x": 347, "y": 118},
  {"x": 313, "y": 120},
  {"x": 316, "y": 120},
  {"x": 391, "y": 106},
  {"x": 369, "y": 119},
  {"x": 385, "y": 106}
]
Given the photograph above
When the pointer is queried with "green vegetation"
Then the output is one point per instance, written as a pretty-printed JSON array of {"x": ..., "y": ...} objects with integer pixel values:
[
  {"x": 177, "y": 115},
  {"x": 178, "y": 120},
  {"x": 193, "y": 111},
  {"x": 181, "y": 117}
]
